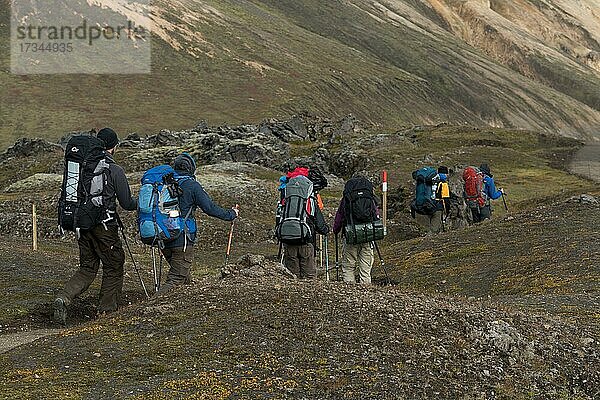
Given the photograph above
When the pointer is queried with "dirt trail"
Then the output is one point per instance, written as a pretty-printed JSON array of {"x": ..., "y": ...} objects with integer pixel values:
[
  {"x": 10, "y": 341},
  {"x": 587, "y": 162}
]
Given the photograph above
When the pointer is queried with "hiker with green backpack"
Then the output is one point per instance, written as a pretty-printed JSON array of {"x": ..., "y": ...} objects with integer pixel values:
[
  {"x": 92, "y": 184},
  {"x": 358, "y": 217},
  {"x": 299, "y": 221}
]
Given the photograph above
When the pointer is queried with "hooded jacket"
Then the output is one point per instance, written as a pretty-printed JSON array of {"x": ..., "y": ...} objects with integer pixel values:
[{"x": 194, "y": 196}]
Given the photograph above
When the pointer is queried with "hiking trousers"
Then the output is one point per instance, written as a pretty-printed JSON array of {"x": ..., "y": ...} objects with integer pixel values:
[
  {"x": 98, "y": 245},
  {"x": 300, "y": 260},
  {"x": 180, "y": 267},
  {"x": 433, "y": 222},
  {"x": 357, "y": 256},
  {"x": 481, "y": 214}
]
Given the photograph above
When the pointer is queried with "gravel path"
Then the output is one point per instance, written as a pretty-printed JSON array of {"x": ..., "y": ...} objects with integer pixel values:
[
  {"x": 10, "y": 341},
  {"x": 587, "y": 162}
]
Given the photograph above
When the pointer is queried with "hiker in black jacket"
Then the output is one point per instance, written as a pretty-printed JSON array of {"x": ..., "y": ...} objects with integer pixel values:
[
  {"x": 101, "y": 244},
  {"x": 180, "y": 252}
]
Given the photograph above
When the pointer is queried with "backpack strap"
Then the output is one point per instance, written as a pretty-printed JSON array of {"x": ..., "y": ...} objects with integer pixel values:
[{"x": 186, "y": 230}]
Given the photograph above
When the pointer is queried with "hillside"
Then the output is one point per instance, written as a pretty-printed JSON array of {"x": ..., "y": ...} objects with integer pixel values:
[
  {"x": 269, "y": 337},
  {"x": 390, "y": 63}
]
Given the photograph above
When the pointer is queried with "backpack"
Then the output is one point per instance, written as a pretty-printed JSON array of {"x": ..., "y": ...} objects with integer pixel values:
[
  {"x": 82, "y": 203},
  {"x": 159, "y": 215},
  {"x": 359, "y": 201},
  {"x": 425, "y": 194},
  {"x": 360, "y": 212},
  {"x": 297, "y": 206},
  {"x": 473, "y": 190}
]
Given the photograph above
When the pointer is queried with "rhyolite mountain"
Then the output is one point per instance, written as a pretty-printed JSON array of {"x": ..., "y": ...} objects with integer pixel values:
[{"x": 530, "y": 64}]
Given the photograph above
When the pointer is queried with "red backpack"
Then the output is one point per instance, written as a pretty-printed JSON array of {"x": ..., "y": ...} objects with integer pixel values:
[{"x": 473, "y": 192}]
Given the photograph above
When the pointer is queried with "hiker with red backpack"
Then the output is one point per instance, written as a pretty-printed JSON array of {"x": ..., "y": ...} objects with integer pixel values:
[
  {"x": 299, "y": 221},
  {"x": 479, "y": 190}
]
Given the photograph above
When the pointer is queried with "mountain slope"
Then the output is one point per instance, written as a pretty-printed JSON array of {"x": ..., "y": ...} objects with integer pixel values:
[
  {"x": 390, "y": 63},
  {"x": 554, "y": 42}
]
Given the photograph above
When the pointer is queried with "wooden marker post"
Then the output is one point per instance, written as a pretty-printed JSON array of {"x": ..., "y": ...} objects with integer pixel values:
[
  {"x": 384, "y": 188},
  {"x": 34, "y": 224}
]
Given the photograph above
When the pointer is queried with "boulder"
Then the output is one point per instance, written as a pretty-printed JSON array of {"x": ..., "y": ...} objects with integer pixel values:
[
  {"x": 37, "y": 182},
  {"x": 584, "y": 199},
  {"x": 255, "y": 266},
  {"x": 26, "y": 147},
  {"x": 347, "y": 163}
]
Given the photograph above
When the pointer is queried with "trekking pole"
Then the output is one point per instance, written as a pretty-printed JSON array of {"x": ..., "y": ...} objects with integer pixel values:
[
  {"x": 228, "y": 252},
  {"x": 326, "y": 249},
  {"x": 229, "y": 241},
  {"x": 442, "y": 216},
  {"x": 384, "y": 188},
  {"x": 321, "y": 250},
  {"x": 337, "y": 264},
  {"x": 280, "y": 252},
  {"x": 34, "y": 227},
  {"x": 160, "y": 265},
  {"x": 154, "y": 271},
  {"x": 135, "y": 267},
  {"x": 382, "y": 263},
  {"x": 504, "y": 201}
]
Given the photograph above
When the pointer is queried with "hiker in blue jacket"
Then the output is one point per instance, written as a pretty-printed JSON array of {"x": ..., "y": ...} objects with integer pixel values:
[
  {"x": 180, "y": 252},
  {"x": 490, "y": 192}
]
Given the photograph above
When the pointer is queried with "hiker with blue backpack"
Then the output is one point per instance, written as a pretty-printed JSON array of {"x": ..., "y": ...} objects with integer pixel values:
[
  {"x": 169, "y": 198},
  {"x": 92, "y": 184},
  {"x": 431, "y": 194}
]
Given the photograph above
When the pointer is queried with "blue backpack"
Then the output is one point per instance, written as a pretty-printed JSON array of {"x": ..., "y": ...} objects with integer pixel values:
[
  {"x": 424, "y": 202},
  {"x": 159, "y": 216}
]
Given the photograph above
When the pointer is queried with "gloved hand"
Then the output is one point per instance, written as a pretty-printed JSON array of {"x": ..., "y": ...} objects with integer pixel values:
[
  {"x": 236, "y": 209},
  {"x": 502, "y": 191}
]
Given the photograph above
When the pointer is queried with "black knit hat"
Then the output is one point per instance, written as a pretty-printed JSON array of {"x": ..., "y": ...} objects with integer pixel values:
[
  {"x": 185, "y": 162},
  {"x": 485, "y": 169},
  {"x": 109, "y": 137}
]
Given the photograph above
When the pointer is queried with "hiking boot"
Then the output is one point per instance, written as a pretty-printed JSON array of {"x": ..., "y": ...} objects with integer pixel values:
[{"x": 60, "y": 311}]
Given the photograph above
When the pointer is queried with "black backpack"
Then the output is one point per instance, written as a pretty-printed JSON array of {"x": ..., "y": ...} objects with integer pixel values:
[
  {"x": 359, "y": 201},
  {"x": 82, "y": 203},
  {"x": 360, "y": 208}
]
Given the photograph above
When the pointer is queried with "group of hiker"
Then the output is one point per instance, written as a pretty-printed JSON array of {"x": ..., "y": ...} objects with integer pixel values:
[
  {"x": 300, "y": 219},
  {"x": 169, "y": 196},
  {"x": 431, "y": 206}
]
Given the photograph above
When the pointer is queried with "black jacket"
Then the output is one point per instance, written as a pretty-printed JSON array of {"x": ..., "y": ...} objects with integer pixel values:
[
  {"x": 117, "y": 188},
  {"x": 317, "y": 223}
]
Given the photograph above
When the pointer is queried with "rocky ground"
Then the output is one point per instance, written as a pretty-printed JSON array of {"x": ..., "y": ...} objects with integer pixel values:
[
  {"x": 507, "y": 309},
  {"x": 273, "y": 337}
]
